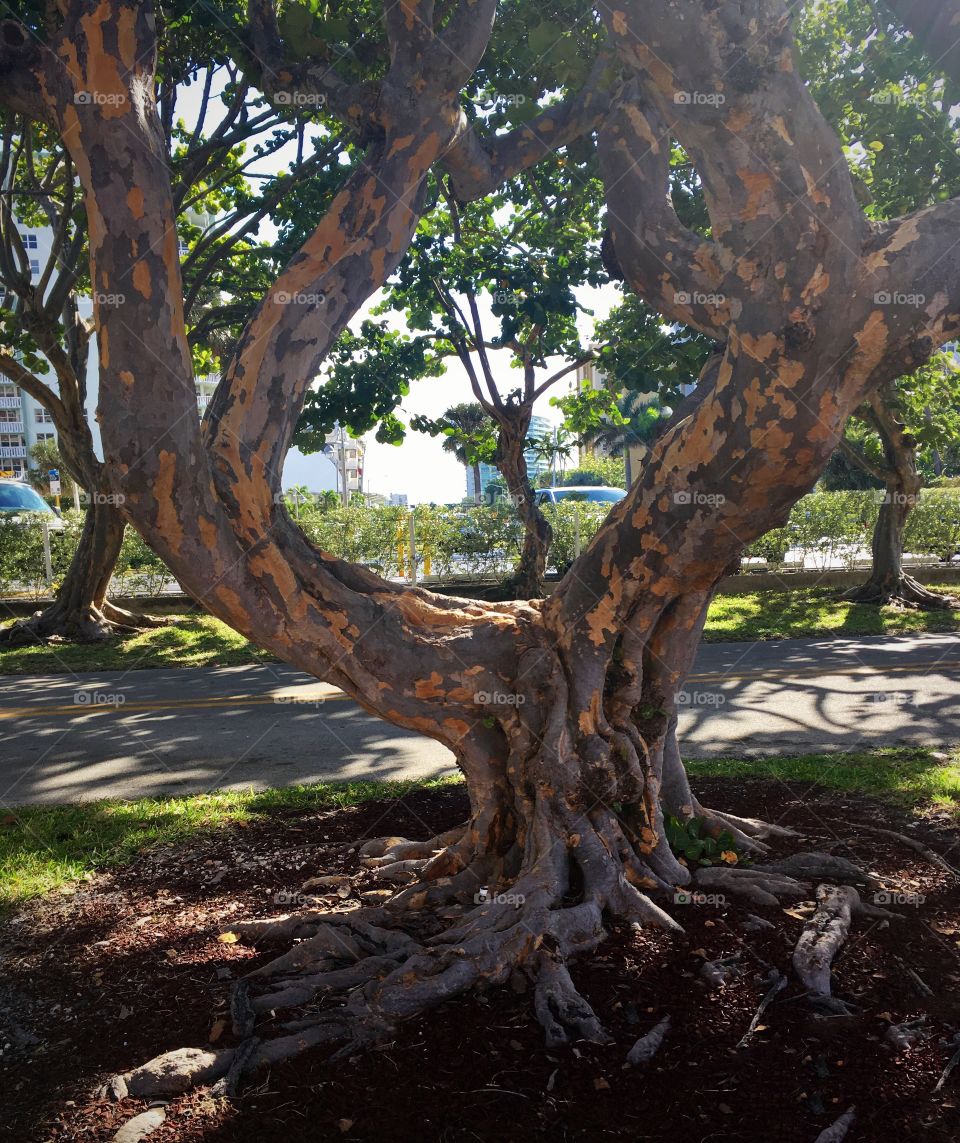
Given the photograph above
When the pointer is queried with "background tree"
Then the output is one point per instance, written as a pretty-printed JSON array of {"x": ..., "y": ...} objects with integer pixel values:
[
  {"x": 475, "y": 282},
  {"x": 569, "y": 788},
  {"x": 469, "y": 435},
  {"x": 46, "y": 456},
  {"x": 903, "y": 418}
]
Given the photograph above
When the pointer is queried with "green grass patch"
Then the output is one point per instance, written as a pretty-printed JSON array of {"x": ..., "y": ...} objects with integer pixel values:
[
  {"x": 43, "y": 848},
  {"x": 910, "y": 777},
  {"x": 194, "y": 640},
  {"x": 202, "y": 641},
  {"x": 815, "y": 611}
]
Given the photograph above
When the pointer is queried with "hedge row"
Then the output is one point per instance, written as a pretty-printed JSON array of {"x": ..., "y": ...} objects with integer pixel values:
[{"x": 824, "y": 527}]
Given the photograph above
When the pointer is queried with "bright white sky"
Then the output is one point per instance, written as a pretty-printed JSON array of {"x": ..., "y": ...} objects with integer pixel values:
[{"x": 420, "y": 468}]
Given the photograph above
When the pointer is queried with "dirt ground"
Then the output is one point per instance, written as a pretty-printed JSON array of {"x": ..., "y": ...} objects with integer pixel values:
[{"x": 102, "y": 979}]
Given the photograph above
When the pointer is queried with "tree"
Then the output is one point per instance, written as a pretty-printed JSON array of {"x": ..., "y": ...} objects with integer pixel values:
[
  {"x": 467, "y": 257},
  {"x": 469, "y": 436},
  {"x": 897, "y": 123},
  {"x": 572, "y": 779},
  {"x": 900, "y": 418},
  {"x": 46, "y": 456},
  {"x": 640, "y": 422}
]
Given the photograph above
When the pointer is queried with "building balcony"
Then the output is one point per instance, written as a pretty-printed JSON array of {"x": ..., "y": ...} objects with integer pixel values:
[
  {"x": 11, "y": 427},
  {"x": 13, "y": 452},
  {"x": 10, "y": 402}
]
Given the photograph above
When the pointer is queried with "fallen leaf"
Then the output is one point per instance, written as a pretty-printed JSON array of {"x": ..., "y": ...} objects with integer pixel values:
[
  {"x": 228, "y": 938},
  {"x": 729, "y": 857},
  {"x": 219, "y": 1027},
  {"x": 344, "y": 1125},
  {"x": 600, "y": 1084}
]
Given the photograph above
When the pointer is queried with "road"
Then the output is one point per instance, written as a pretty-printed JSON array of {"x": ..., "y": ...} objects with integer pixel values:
[{"x": 155, "y": 732}]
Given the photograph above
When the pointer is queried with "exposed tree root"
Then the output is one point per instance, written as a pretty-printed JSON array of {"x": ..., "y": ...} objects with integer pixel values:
[
  {"x": 912, "y": 843},
  {"x": 901, "y": 591},
  {"x": 91, "y": 624},
  {"x": 647, "y": 1046},
  {"x": 951, "y": 1064},
  {"x": 821, "y": 939},
  {"x": 903, "y": 1036},
  {"x": 837, "y": 1131},
  {"x": 475, "y": 914},
  {"x": 778, "y": 985}
]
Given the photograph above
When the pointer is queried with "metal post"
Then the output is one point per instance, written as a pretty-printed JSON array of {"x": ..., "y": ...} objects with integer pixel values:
[
  {"x": 296, "y": 503},
  {"x": 47, "y": 558},
  {"x": 76, "y": 497},
  {"x": 413, "y": 547},
  {"x": 343, "y": 467},
  {"x": 576, "y": 529}
]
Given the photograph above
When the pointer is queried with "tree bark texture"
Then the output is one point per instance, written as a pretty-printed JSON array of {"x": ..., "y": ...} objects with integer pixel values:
[{"x": 561, "y": 712}]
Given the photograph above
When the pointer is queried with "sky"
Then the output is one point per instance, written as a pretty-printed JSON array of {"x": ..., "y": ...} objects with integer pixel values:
[{"x": 419, "y": 467}]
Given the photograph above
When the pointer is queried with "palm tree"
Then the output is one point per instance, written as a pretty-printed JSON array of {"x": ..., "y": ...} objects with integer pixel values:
[
  {"x": 642, "y": 416},
  {"x": 468, "y": 438},
  {"x": 551, "y": 447}
]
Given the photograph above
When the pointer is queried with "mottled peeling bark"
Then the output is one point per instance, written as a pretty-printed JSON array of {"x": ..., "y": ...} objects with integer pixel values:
[{"x": 562, "y": 713}]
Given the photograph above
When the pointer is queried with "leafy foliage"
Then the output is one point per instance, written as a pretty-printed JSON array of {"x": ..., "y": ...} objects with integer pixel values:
[{"x": 691, "y": 842}]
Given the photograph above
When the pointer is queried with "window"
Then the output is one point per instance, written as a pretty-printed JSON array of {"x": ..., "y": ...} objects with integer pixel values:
[
  {"x": 45, "y": 437},
  {"x": 42, "y": 416},
  {"x": 9, "y": 415},
  {"x": 29, "y": 241},
  {"x": 34, "y": 266}
]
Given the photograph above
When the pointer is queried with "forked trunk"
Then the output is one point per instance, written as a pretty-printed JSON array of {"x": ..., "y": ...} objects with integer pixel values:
[{"x": 80, "y": 611}]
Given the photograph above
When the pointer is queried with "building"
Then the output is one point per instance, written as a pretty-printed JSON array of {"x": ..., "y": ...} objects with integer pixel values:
[
  {"x": 398, "y": 500},
  {"x": 346, "y": 454}
]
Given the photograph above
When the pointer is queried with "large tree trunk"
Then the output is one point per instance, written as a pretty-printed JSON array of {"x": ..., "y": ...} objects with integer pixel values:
[
  {"x": 528, "y": 579},
  {"x": 80, "y": 611},
  {"x": 888, "y": 582},
  {"x": 561, "y": 713}
]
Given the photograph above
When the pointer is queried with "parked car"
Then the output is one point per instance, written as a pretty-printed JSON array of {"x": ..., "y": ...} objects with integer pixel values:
[
  {"x": 17, "y": 498},
  {"x": 582, "y": 493}
]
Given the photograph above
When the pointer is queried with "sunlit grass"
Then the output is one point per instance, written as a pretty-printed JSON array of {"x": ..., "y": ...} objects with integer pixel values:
[
  {"x": 50, "y": 847},
  {"x": 202, "y": 641},
  {"x": 195, "y": 640},
  {"x": 910, "y": 777},
  {"x": 815, "y": 611}
]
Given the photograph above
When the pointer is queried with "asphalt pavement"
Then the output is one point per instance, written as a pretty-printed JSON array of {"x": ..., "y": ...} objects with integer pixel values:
[{"x": 144, "y": 733}]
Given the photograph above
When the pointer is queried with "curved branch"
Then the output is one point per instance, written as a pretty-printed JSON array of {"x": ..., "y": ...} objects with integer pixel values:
[
  {"x": 670, "y": 266},
  {"x": 477, "y": 165}
]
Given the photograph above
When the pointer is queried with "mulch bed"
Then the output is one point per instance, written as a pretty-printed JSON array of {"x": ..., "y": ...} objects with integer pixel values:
[{"x": 97, "y": 981}]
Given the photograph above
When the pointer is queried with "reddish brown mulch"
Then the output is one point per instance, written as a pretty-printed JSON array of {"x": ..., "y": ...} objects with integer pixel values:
[{"x": 98, "y": 982}]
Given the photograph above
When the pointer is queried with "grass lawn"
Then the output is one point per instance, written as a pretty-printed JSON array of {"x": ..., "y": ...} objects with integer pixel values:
[
  {"x": 201, "y": 641},
  {"x": 45, "y": 848},
  {"x": 815, "y": 611},
  {"x": 194, "y": 640},
  {"x": 51, "y": 847}
]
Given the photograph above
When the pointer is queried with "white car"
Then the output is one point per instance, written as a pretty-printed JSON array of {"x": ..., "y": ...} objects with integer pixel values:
[
  {"x": 18, "y": 501},
  {"x": 579, "y": 493}
]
